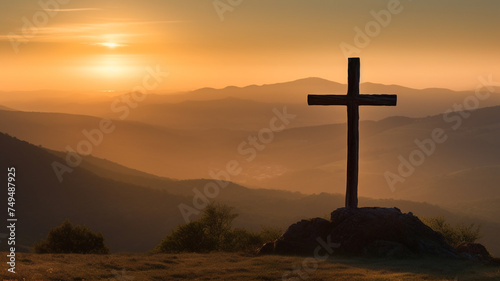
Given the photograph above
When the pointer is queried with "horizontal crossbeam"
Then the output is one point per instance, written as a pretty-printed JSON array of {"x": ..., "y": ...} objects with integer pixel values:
[{"x": 381, "y": 100}]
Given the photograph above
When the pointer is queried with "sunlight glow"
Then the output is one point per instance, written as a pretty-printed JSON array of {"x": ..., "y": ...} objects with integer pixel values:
[
  {"x": 110, "y": 45},
  {"x": 111, "y": 71},
  {"x": 112, "y": 65}
]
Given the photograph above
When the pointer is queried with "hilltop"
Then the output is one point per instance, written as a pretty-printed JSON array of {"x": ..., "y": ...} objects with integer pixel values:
[{"x": 241, "y": 266}]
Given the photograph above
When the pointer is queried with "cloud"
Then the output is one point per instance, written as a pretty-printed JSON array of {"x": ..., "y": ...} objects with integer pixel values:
[
  {"x": 65, "y": 32},
  {"x": 73, "y": 10}
]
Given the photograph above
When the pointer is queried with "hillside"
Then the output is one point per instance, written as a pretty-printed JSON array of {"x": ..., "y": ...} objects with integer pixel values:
[
  {"x": 242, "y": 266},
  {"x": 127, "y": 205},
  {"x": 114, "y": 208},
  {"x": 5, "y": 108},
  {"x": 305, "y": 159}
]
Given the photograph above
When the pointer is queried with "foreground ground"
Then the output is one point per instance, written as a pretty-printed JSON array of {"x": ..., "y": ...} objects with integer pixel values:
[{"x": 239, "y": 266}]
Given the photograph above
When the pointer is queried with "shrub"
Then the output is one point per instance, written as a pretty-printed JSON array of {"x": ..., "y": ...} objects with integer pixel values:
[
  {"x": 268, "y": 234},
  {"x": 214, "y": 232},
  {"x": 211, "y": 232},
  {"x": 245, "y": 240},
  {"x": 217, "y": 220},
  {"x": 186, "y": 238},
  {"x": 454, "y": 235},
  {"x": 68, "y": 239},
  {"x": 241, "y": 240}
]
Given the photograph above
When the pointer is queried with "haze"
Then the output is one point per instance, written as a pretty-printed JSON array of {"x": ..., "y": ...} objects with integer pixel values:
[
  {"x": 166, "y": 95},
  {"x": 93, "y": 45}
]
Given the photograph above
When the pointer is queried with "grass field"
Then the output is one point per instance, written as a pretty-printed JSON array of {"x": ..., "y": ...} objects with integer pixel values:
[{"x": 236, "y": 266}]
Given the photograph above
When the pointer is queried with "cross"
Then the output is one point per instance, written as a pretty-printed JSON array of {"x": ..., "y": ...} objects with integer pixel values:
[{"x": 352, "y": 100}]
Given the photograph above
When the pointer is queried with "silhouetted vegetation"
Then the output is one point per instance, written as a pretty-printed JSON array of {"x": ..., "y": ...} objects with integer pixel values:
[
  {"x": 454, "y": 235},
  {"x": 214, "y": 232},
  {"x": 67, "y": 238}
]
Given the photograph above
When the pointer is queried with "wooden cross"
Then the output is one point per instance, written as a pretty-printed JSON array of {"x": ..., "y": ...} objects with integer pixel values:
[{"x": 353, "y": 100}]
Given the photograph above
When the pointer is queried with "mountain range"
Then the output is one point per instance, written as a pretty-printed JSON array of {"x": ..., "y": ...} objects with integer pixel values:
[
  {"x": 306, "y": 159},
  {"x": 135, "y": 210},
  {"x": 224, "y": 108},
  {"x": 429, "y": 148}
]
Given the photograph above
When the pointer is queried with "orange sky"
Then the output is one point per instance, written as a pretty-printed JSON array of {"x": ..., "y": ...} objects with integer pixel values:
[{"x": 95, "y": 45}]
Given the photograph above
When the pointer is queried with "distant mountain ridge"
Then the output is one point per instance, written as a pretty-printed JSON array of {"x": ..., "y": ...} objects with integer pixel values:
[
  {"x": 135, "y": 216},
  {"x": 158, "y": 108},
  {"x": 187, "y": 136},
  {"x": 307, "y": 159}
]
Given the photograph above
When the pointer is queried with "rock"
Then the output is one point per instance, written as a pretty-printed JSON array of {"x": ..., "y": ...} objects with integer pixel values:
[
  {"x": 474, "y": 251},
  {"x": 300, "y": 238},
  {"x": 364, "y": 232}
]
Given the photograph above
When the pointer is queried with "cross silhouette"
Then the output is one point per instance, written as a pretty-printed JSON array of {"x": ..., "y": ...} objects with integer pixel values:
[{"x": 352, "y": 100}]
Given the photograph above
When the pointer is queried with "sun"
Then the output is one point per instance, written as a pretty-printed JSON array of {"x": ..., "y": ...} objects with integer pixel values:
[{"x": 110, "y": 45}]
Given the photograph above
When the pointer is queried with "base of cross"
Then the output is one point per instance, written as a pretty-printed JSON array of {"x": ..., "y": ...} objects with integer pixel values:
[{"x": 376, "y": 232}]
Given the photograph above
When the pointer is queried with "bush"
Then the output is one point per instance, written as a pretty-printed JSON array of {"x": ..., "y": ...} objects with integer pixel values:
[
  {"x": 214, "y": 232},
  {"x": 244, "y": 240},
  {"x": 211, "y": 232},
  {"x": 454, "y": 235},
  {"x": 217, "y": 220},
  {"x": 241, "y": 240},
  {"x": 186, "y": 238},
  {"x": 268, "y": 234},
  {"x": 68, "y": 239}
]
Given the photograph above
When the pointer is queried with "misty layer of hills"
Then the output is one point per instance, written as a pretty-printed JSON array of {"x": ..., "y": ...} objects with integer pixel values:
[
  {"x": 244, "y": 108},
  {"x": 449, "y": 159},
  {"x": 135, "y": 210}
]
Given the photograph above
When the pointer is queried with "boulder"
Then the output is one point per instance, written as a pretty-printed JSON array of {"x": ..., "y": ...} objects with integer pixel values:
[
  {"x": 474, "y": 251},
  {"x": 374, "y": 231}
]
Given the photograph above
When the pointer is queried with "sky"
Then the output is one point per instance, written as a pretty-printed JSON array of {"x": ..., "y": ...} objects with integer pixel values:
[{"x": 107, "y": 45}]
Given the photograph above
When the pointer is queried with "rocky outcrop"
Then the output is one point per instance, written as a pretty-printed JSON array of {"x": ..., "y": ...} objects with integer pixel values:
[
  {"x": 381, "y": 232},
  {"x": 474, "y": 251}
]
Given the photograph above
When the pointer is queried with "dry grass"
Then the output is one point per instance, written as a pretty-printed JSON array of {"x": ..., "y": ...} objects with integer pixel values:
[{"x": 227, "y": 266}]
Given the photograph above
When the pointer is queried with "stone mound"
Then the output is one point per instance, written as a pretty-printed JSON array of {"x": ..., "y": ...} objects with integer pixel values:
[
  {"x": 380, "y": 232},
  {"x": 474, "y": 251}
]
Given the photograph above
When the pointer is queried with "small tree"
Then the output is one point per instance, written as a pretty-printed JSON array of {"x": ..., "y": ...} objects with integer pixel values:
[
  {"x": 218, "y": 222},
  {"x": 68, "y": 239},
  {"x": 454, "y": 235},
  {"x": 186, "y": 238},
  {"x": 241, "y": 240},
  {"x": 213, "y": 231},
  {"x": 269, "y": 233}
]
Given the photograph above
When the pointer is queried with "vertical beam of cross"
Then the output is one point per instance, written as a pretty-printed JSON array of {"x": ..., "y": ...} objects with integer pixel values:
[
  {"x": 351, "y": 193},
  {"x": 352, "y": 100}
]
